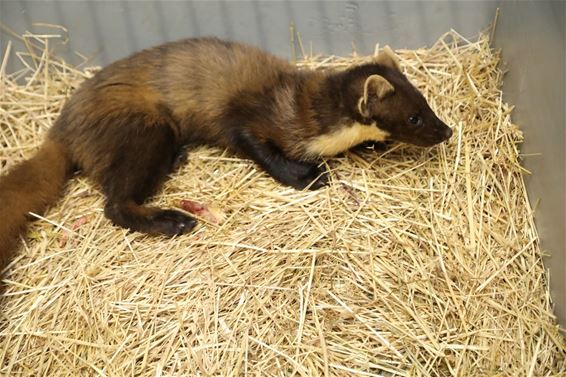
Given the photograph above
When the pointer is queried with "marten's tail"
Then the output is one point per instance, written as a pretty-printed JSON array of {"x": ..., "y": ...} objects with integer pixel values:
[{"x": 30, "y": 187}]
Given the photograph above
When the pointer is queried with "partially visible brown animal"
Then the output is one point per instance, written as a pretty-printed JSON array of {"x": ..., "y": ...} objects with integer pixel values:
[{"x": 126, "y": 127}]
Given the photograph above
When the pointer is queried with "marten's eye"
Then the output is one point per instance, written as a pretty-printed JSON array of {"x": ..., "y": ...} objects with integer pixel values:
[{"x": 416, "y": 121}]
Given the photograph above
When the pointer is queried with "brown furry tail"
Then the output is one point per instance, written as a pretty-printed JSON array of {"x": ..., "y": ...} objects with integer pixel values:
[{"x": 30, "y": 187}]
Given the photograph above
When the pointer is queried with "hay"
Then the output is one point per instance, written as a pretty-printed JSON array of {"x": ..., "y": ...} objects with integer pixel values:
[{"x": 413, "y": 262}]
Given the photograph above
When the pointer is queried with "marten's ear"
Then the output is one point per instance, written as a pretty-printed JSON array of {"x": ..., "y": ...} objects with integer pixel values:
[
  {"x": 388, "y": 58},
  {"x": 376, "y": 87}
]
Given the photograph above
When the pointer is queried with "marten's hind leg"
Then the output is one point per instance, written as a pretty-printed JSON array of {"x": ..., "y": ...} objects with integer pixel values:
[
  {"x": 151, "y": 220},
  {"x": 146, "y": 154}
]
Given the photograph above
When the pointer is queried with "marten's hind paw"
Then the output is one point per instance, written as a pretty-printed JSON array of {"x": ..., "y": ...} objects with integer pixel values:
[{"x": 170, "y": 223}]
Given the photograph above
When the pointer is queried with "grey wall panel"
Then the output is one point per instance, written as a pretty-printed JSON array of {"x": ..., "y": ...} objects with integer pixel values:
[
  {"x": 108, "y": 30},
  {"x": 533, "y": 41}
]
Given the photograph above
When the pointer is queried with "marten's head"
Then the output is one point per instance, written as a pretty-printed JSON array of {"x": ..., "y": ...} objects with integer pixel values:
[{"x": 387, "y": 98}]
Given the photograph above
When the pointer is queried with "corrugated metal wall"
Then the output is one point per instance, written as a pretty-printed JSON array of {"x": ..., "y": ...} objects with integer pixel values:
[
  {"x": 108, "y": 30},
  {"x": 531, "y": 35}
]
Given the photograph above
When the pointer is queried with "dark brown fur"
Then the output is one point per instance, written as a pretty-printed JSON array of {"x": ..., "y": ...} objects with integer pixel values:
[{"x": 126, "y": 127}]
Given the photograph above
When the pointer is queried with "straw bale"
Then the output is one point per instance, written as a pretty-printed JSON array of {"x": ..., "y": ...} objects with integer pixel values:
[{"x": 412, "y": 262}]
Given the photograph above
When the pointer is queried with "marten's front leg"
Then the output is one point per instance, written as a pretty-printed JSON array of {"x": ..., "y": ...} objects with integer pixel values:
[{"x": 298, "y": 174}]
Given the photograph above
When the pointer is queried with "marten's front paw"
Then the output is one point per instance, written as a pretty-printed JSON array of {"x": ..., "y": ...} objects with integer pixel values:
[
  {"x": 170, "y": 223},
  {"x": 316, "y": 178},
  {"x": 309, "y": 175},
  {"x": 298, "y": 174}
]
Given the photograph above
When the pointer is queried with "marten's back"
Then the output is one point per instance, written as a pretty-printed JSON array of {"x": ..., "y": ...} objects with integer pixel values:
[
  {"x": 193, "y": 80},
  {"x": 191, "y": 75},
  {"x": 205, "y": 74}
]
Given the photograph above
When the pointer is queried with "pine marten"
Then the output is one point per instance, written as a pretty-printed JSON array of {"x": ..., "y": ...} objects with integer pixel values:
[{"x": 126, "y": 127}]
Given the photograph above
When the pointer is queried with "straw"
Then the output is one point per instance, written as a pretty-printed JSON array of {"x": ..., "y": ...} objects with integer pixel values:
[{"x": 412, "y": 262}]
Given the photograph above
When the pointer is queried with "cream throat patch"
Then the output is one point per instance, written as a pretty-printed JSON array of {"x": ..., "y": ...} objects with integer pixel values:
[{"x": 344, "y": 138}]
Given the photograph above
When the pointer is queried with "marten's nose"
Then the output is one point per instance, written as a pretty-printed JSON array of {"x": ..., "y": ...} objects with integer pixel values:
[{"x": 447, "y": 133}]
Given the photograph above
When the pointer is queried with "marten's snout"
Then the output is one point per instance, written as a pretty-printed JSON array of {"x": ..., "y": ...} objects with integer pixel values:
[
  {"x": 440, "y": 130},
  {"x": 446, "y": 132},
  {"x": 437, "y": 133}
]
